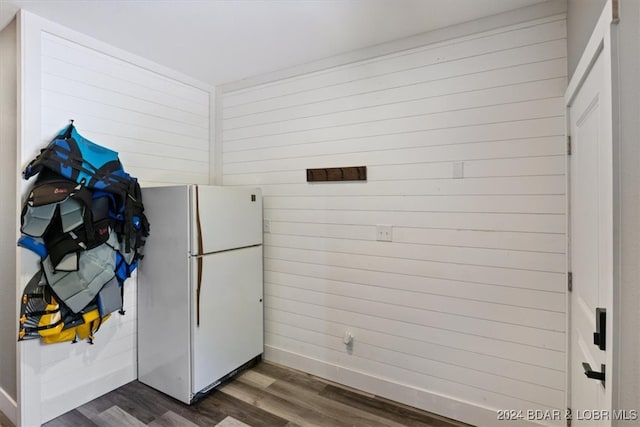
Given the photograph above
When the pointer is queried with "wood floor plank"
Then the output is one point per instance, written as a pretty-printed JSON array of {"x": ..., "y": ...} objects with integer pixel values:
[
  {"x": 171, "y": 419},
  {"x": 72, "y": 418},
  {"x": 154, "y": 403},
  {"x": 388, "y": 409},
  {"x": 134, "y": 398},
  {"x": 231, "y": 422},
  {"x": 357, "y": 399},
  {"x": 144, "y": 402},
  {"x": 279, "y": 406},
  {"x": 256, "y": 379},
  {"x": 268, "y": 395},
  {"x": 116, "y": 417},
  {"x": 147, "y": 404},
  {"x": 96, "y": 406},
  {"x": 243, "y": 411},
  {"x": 301, "y": 379},
  {"x": 315, "y": 401},
  {"x": 5, "y": 421}
]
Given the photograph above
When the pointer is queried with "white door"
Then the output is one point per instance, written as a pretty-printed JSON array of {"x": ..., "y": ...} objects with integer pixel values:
[{"x": 591, "y": 245}]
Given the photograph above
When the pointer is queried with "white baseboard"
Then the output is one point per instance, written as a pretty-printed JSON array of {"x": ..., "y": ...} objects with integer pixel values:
[
  {"x": 8, "y": 406},
  {"x": 408, "y": 395}
]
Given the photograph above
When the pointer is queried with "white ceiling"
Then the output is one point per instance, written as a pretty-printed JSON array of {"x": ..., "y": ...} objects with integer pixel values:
[{"x": 219, "y": 41}]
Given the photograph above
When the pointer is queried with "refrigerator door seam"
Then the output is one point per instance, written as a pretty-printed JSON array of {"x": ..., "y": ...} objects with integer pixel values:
[{"x": 226, "y": 250}]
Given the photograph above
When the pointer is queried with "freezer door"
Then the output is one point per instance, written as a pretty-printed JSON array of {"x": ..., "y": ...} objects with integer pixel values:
[
  {"x": 225, "y": 218},
  {"x": 230, "y": 330}
]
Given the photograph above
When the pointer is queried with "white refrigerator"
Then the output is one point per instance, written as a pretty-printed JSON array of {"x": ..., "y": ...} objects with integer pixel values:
[{"x": 200, "y": 311}]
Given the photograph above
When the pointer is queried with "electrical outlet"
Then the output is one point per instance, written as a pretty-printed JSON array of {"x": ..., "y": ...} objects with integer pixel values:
[
  {"x": 266, "y": 227},
  {"x": 347, "y": 339},
  {"x": 383, "y": 233}
]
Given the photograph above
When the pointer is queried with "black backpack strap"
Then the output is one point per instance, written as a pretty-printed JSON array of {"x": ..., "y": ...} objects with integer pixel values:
[
  {"x": 92, "y": 332},
  {"x": 122, "y": 311},
  {"x": 68, "y": 132}
]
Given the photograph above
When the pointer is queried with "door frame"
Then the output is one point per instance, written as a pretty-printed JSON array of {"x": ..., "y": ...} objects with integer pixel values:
[{"x": 603, "y": 41}]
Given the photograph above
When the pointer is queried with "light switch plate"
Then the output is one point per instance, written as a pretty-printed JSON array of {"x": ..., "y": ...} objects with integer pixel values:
[
  {"x": 266, "y": 226},
  {"x": 458, "y": 169},
  {"x": 383, "y": 232}
]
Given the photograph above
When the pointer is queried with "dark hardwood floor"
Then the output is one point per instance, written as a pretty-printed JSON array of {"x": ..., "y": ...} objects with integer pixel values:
[
  {"x": 265, "y": 395},
  {"x": 4, "y": 421}
]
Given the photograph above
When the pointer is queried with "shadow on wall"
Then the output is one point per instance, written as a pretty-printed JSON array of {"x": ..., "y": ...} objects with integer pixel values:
[{"x": 582, "y": 16}]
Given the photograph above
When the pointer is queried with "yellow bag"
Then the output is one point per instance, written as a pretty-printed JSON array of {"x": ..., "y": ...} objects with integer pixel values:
[{"x": 92, "y": 322}]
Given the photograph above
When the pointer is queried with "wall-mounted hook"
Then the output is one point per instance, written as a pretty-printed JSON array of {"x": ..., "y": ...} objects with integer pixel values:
[{"x": 351, "y": 173}]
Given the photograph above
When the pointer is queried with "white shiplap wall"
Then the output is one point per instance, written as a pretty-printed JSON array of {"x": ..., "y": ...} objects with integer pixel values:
[
  {"x": 8, "y": 209},
  {"x": 160, "y": 127},
  {"x": 468, "y": 301}
]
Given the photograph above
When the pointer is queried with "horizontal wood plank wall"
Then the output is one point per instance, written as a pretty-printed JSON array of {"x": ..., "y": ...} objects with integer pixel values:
[
  {"x": 468, "y": 300},
  {"x": 8, "y": 209},
  {"x": 160, "y": 127}
]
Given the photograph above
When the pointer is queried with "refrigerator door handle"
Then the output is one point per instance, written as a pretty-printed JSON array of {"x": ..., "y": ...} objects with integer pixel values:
[
  {"x": 199, "y": 261},
  {"x": 199, "y": 258}
]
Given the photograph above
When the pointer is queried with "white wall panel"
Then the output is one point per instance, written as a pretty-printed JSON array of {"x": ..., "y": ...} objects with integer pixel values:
[
  {"x": 435, "y": 370},
  {"x": 539, "y": 242},
  {"x": 159, "y": 122},
  {"x": 455, "y": 102},
  {"x": 533, "y": 185},
  {"x": 488, "y": 168},
  {"x": 110, "y": 116},
  {"x": 442, "y": 220},
  {"x": 468, "y": 300},
  {"x": 324, "y": 275},
  {"x": 501, "y": 276},
  {"x": 405, "y": 370},
  {"x": 154, "y": 122},
  {"x": 505, "y": 313},
  {"x": 79, "y": 75},
  {"x": 500, "y": 149},
  {"x": 517, "y": 111},
  {"x": 338, "y": 101},
  {"x": 551, "y": 378},
  {"x": 96, "y": 62},
  {"x": 526, "y": 260},
  {"x": 447, "y": 337},
  {"x": 8, "y": 210},
  {"x": 514, "y": 39}
]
